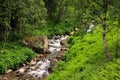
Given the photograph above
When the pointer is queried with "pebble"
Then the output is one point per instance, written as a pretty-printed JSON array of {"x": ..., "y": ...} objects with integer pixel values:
[
  {"x": 8, "y": 71},
  {"x": 33, "y": 62},
  {"x": 33, "y": 68},
  {"x": 5, "y": 79}
]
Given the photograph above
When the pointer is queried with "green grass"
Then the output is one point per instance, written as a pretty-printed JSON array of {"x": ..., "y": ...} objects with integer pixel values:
[{"x": 86, "y": 60}]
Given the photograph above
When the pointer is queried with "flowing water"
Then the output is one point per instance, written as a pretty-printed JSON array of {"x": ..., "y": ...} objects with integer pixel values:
[{"x": 33, "y": 70}]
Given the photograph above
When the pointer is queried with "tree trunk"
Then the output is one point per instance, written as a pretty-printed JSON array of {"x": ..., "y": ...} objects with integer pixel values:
[
  {"x": 51, "y": 9},
  {"x": 107, "y": 53},
  {"x": 14, "y": 19}
]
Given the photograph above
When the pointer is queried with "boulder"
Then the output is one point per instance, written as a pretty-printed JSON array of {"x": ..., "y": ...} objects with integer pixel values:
[
  {"x": 38, "y": 43},
  {"x": 53, "y": 63},
  {"x": 64, "y": 40}
]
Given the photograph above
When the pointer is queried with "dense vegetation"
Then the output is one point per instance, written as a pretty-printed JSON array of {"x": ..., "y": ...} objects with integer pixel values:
[
  {"x": 85, "y": 60},
  {"x": 14, "y": 56},
  {"x": 92, "y": 55}
]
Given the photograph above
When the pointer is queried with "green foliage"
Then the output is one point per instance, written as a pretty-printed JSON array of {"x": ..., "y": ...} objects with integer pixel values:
[
  {"x": 51, "y": 29},
  {"x": 55, "y": 17},
  {"x": 18, "y": 18},
  {"x": 60, "y": 29},
  {"x": 14, "y": 57},
  {"x": 85, "y": 60}
]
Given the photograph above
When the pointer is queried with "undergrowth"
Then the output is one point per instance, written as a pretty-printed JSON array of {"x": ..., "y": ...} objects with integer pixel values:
[
  {"x": 14, "y": 56},
  {"x": 52, "y": 29},
  {"x": 86, "y": 60}
]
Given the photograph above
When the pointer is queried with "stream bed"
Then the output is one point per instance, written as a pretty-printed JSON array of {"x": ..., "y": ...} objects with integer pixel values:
[{"x": 41, "y": 66}]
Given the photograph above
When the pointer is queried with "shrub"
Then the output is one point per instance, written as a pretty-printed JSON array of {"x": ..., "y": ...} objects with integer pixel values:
[{"x": 14, "y": 58}]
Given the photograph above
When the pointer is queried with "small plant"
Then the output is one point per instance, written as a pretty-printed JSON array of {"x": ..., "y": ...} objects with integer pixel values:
[{"x": 14, "y": 58}]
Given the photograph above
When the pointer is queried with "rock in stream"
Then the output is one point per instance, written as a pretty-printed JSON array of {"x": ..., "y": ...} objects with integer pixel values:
[{"x": 41, "y": 66}]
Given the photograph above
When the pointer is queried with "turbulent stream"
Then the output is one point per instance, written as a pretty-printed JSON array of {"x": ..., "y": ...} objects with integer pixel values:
[{"x": 41, "y": 66}]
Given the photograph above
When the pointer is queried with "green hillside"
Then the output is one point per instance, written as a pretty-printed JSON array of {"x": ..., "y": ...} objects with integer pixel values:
[{"x": 85, "y": 60}]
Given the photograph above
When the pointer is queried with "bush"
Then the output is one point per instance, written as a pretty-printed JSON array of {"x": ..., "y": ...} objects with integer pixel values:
[{"x": 12, "y": 59}]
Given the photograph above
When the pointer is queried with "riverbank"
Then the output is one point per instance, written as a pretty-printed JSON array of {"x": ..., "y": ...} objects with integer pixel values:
[{"x": 57, "y": 47}]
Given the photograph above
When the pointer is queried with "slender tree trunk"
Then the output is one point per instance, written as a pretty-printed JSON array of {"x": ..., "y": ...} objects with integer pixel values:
[{"x": 107, "y": 53}]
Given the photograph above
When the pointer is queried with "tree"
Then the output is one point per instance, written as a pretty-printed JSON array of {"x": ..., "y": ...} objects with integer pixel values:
[
  {"x": 19, "y": 16},
  {"x": 4, "y": 20},
  {"x": 105, "y": 8},
  {"x": 92, "y": 10},
  {"x": 56, "y": 10},
  {"x": 51, "y": 9}
]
